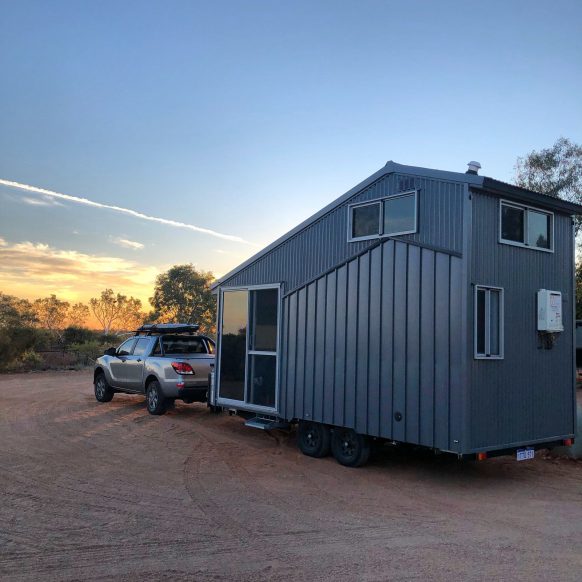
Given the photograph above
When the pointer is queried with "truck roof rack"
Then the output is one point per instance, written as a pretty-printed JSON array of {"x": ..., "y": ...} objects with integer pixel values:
[{"x": 162, "y": 328}]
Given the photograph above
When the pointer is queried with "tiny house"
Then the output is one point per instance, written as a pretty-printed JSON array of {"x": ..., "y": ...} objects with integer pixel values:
[{"x": 423, "y": 306}]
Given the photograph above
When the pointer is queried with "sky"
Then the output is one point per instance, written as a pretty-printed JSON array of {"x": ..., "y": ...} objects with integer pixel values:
[{"x": 199, "y": 132}]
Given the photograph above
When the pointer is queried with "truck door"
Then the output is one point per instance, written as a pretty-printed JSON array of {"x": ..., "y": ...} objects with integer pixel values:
[
  {"x": 118, "y": 363},
  {"x": 135, "y": 364}
]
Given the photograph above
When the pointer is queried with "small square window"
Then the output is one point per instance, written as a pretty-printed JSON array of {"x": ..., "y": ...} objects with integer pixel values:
[
  {"x": 366, "y": 220},
  {"x": 400, "y": 215}
]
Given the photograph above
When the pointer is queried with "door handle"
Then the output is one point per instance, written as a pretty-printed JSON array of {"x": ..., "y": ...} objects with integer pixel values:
[{"x": 139, "y": 359}]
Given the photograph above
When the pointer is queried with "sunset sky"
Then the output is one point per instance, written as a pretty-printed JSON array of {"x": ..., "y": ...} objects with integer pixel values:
[{"x": 215, "y": 127}]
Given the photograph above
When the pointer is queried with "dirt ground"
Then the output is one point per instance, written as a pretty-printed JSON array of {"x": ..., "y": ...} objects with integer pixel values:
[{"x": 94, "y": 491}]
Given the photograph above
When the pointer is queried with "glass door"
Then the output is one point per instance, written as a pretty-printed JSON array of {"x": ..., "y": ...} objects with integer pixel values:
[
  {"x": 248, "y": 347},
  {"x": 233, "y": 345},
  {"x": 262, "y": 347}
]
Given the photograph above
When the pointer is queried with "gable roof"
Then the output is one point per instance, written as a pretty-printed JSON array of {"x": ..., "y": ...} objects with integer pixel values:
[{"x": 473, "y": 180}]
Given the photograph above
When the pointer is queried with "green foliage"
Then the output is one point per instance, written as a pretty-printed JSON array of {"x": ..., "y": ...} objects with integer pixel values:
[
  {"x": 15, "y": 312},
  {"x": 556, "y": 171},
  {"x": 51, "y": 313},
  {"x": 16, "y": 341},
  {"x": 30, "y": 360},
  {"x": 182, "y": 295},
  {"x": 92, "y": 349},
  {"x": 79, "y": 335}
]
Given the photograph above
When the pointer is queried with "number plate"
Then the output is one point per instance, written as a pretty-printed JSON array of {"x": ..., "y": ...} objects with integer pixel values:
[{"x": 525, "y": 454}]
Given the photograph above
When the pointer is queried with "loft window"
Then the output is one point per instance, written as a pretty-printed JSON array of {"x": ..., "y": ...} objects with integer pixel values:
[
  {"x": 488, "y": 322},
  {"x": 366, "y": 220},
  {"x": 389, "y": 216},
  {"x": 400, "y": 214},
  {"x": 525, "y": 226}
]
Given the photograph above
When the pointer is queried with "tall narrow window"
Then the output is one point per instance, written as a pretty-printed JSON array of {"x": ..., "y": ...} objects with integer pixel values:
[{"x": 488, "y": 322}]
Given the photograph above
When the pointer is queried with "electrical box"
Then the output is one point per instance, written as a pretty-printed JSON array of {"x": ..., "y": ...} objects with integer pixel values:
[{"x": 550, "y": 311}]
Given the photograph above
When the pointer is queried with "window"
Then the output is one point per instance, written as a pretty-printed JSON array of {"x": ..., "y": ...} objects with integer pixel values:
[
  {"x": 178, "y": 345},
  {"x": 125, "y": 348},
  {"x": 387, "y": 217},
  {"x": 141, "y": 347},
  {"x": 366, "y": 221},
  {"x": 400, "y": 214},
  {"x": 488, "y": 322},
  {"x": 525, "y": 226}
]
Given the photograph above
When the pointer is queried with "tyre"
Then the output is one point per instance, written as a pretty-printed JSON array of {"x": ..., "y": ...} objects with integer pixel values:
[
  {"x": 155, "y": 400},
  {"x": 103, "y": 392},
  {"x": 313, "y": 439},
  {"x": 350, "y": 448}
]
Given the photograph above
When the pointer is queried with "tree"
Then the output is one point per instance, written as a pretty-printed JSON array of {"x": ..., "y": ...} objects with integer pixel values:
[
  {"x": 116, "y": 312},
  {"x": 51, "y": 313},
  {"x": 556, "y": 171},
  {"x": 131, "y": 315},
  {"x": 78, "y": 315},
  {"x": 15, "y": 312},
  {"x": 182, "y": 295}
]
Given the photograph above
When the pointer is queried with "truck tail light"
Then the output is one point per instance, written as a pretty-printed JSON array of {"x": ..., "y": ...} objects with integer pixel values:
[
  {"x": 481, "y": 456},
  {"x": 182, "y": 368},
  {"x": 568, "y": 442}
]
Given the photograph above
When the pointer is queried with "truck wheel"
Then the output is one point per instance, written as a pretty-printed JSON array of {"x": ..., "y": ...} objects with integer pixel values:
[
  {"x": 313, "y": 439},
  {"x": 155, "y": 400},
  {"x": 350, "y": 448},
  {"x": 103, "y": 392}
]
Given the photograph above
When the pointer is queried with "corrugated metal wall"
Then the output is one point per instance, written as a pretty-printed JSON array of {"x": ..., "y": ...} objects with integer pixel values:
[
  {"x": 379, "y": 335},
  {"x": 529, "y": 394},
  {"x": 322, "y": 245}
]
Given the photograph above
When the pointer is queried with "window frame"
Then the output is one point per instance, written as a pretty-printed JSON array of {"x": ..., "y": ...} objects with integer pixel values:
[
  {"x": 526, "y": 209},
  {"x": 487, "y": 355},
  {"x": 380, "y": 201}
]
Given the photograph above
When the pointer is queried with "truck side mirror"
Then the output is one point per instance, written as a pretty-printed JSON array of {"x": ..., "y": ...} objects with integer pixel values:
[{"x": 110, "y": 352}]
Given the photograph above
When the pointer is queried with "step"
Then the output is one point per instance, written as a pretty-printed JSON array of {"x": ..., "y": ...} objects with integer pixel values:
[{"x": 266, "y": 423}]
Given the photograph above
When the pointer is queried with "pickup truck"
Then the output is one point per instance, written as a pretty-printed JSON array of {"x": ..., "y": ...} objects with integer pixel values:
[{"x": 166, "y": 362}]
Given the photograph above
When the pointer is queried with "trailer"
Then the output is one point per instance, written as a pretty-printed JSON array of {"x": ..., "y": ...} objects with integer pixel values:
[{"x": 423, "y": 306}]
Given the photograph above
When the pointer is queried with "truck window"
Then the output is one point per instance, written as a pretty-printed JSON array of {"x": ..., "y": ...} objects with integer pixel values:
[
  {"x": 125, "y": 348},
  {"x": 141, "y": 347},
  {"x": 179, "y": 345},
  {"x": 157, "y": 351}
]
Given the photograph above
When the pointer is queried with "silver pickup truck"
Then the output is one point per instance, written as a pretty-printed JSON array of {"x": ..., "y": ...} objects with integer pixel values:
[{"x": 166, "y": 362}]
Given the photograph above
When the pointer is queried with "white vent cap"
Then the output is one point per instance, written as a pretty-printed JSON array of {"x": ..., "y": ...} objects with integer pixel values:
[{"x": 474, "y": 167}]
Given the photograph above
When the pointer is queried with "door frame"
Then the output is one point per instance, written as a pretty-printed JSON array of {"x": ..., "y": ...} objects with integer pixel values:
[{"x": 243, "y": 404}]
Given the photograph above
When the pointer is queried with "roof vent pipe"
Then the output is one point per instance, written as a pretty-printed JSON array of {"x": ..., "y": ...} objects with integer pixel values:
[{"x": 474, "y": 168}]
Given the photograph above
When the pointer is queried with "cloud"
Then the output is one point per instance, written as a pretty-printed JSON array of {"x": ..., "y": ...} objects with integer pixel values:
[
  {"x": 43, "y": 201},
  {"x": 26, "y": 267},
  {"x": 128, "y": 244},
  {"x": 128, "y": 211}
]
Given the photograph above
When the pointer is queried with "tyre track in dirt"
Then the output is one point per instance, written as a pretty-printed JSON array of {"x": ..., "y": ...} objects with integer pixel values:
[{"x": 106, "y": 492}]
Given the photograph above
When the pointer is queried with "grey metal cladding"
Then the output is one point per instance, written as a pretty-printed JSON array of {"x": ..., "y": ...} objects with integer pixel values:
[
  {"x": 323, "y": 244},
  {"x": 381, "y": 340},
  {"x": 528, "y": 395}
]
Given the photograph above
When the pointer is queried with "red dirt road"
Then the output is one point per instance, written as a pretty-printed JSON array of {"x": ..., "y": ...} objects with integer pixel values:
[{"x": 94, "y": 491}]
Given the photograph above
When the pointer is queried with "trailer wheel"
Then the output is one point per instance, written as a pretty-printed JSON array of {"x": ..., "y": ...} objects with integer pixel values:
[
  {"x": 350, "y": 448},
  {"x": 103, "y": 392},
  {"x": 155, "y": 400},
  {"x": 313, "y": 439}
]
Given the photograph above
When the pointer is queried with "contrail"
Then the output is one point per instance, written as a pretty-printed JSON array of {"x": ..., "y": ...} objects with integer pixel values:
[{"x": 128, "y": 211}]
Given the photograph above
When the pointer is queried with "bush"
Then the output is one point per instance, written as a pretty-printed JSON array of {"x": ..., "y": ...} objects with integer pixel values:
[
  {"x": 79, "y": 335},
  {"x": 15, "y": 341},
  {"x": 92, "y": 349},
  {"x": 31, "y": 360}
]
